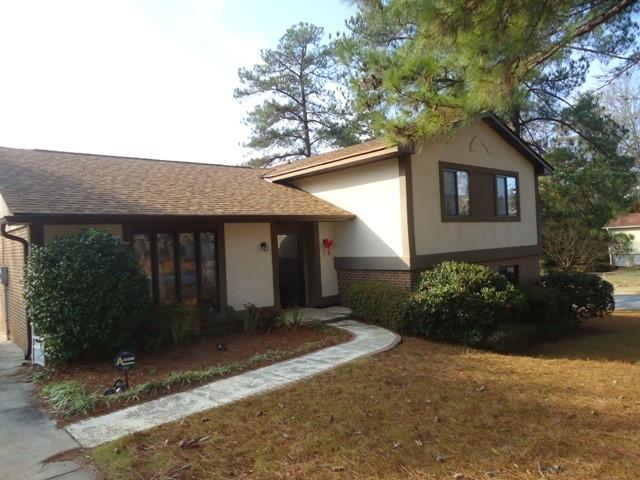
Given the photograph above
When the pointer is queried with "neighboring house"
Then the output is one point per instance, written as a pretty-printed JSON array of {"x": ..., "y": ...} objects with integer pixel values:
[
  {"x": 298, "y": 234},
  {"x": 628, "y": 224}
]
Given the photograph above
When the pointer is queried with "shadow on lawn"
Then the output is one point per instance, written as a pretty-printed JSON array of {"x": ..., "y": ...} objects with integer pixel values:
[{"x": 612, "y": 338}]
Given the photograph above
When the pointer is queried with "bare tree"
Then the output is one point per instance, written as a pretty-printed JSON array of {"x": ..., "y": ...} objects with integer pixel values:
[{"x": 621, "y": 98}]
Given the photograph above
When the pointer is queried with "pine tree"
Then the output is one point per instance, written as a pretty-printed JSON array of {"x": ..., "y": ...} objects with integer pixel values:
[
  {"x": 305, "y": 105},
  {"x": 423, "y": 67}
]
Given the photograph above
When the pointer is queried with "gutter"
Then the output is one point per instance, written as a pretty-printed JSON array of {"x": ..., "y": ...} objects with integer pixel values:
[{"x": 25, "y": 245}]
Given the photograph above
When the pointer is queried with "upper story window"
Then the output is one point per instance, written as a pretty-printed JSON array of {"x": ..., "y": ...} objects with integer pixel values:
[
  {"x": 469, "y": 193},
  {"x": 507, "y": 195},
  {"x": 456, "y": 192}
]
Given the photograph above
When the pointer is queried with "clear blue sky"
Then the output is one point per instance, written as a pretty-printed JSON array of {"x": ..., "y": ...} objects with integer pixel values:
[{"x": 138, "y": 77}]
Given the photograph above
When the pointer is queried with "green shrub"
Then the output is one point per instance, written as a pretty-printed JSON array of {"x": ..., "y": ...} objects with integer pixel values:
[
  {"x": 270, "y": 318},
  {"x": 295, "y": 321},
  {"x": 551, "y": 310},
  {"x": 250, "y": 318},
  {"x": 462, "y": 303},
  {"x": 85, "y": 293},
  {"x": 378, "y": 303},
  {"x": 513, "y": 337},
  {"x": 169, "y": 324},
  {"x": 70, "y": 397},
  {"x": 589, "y": 294}
]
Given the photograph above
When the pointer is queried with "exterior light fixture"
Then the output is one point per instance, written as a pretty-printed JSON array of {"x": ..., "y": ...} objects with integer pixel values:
[{"x": 264, "y": 246}]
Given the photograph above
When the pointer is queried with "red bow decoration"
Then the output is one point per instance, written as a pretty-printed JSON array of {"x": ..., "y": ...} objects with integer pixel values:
[{"x": 327, "y": 244}]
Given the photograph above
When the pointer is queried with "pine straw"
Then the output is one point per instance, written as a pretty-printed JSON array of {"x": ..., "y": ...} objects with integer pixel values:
[{"x": 390, "y": 416}]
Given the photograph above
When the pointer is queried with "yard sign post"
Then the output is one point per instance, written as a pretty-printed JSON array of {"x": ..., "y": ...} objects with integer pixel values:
[{"x": 124, "y": 361}]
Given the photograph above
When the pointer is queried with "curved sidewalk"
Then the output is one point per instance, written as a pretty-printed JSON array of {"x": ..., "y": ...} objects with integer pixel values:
[{"x": 368, "y": 340}]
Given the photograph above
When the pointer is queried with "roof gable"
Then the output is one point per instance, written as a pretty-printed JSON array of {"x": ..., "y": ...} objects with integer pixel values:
[{"x": 380, "y": 149}]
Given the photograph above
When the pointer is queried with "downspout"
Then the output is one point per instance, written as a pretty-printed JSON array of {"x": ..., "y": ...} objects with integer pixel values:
[{"x": 25, "y": 245}]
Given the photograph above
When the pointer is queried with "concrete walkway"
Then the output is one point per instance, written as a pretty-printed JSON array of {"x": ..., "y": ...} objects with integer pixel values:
[
  {"x": 627, "y": 301},
  {"x": 368, "y": 341},
  {"x": 27, "y": 436}
]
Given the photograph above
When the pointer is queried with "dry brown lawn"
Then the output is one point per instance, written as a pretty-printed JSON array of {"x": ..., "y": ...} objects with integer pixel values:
[{"x": 570, "y": 410}]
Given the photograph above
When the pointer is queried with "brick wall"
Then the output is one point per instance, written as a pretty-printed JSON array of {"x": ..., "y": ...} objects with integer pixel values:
[
  {"x": 529, "y": 270},
  {"x": 400, "y": 278},
  {"x": 12, "y": 256}
]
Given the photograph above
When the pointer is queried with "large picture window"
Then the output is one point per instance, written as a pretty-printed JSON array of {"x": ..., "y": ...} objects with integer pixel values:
[{"x": 182, "y": 266}]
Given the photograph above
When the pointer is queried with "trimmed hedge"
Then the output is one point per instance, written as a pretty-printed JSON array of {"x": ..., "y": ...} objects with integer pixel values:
[
  {"x": 85, "y": 295},
  {"x": 590, "y": 295},
  {"x": 378, "y": 303},
  {"x": 473, "y": 305},
  {"x": 461, "y": 303}
]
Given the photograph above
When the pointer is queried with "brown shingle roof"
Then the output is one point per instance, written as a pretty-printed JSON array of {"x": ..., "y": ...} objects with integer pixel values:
[
  {"x": 324, "y": 158},
  {"x": 628, "y": 220},
  {"x": 41, "y": 182}
]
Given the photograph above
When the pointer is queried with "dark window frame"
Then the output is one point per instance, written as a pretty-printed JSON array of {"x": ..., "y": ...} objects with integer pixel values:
[
  {"x": 455, "y": 172},
  {"x": 485, "y": 202},
  {"x": 511, "y": 277},
  {"x": 506, "y": 176},
  {"x": 175, "y": 231}
]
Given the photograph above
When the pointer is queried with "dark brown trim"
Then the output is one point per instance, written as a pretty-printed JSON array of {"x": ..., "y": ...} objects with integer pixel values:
[
  {"x": 406, "y": 195},
  {"x": 155, "y": 282},
  {"x": 340, "y": 163},
  {"x": 315, "y": 275},
  {"x": 538, "y": 221},
  {"x": 371, "y": 263},
  {"x": 541, "y": 166},
  {"x": 36, "y": 235},
  {"x": 484, "y": 201},
  {"x": 222, "y": 269},
  {"x": 73, "y": 219},
  {"x": 274, "y": 265},
  {"x": 420, "y": 262},
  {"x": 423, "y": 261}
]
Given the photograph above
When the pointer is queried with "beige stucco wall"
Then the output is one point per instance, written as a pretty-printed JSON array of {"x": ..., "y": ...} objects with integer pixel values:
[
  {"x": 52, "y": 232},
  {"x": 4, "y": 209},
  {"x": 328, "y": 274},
  {"x": 373, "y": 193},
  {"x": 635, "y": 245},
  {"x": 477, "y": 145},
  {"x": 249, "y": 269}
]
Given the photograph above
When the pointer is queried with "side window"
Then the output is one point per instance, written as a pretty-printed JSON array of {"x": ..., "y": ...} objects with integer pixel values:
[
  {"x": 507, "y": 196},
  {"x": 456, "y": 192},
  {"x": 511, "y": 272}
]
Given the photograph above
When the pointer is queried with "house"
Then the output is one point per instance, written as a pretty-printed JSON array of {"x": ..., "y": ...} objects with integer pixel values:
[
  {"x": 297, "y": 234},
  {"x": 628, "y": 224}
]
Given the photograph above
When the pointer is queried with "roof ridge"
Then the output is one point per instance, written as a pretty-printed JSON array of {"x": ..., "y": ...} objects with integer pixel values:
[{"x": 147, "y": 159}]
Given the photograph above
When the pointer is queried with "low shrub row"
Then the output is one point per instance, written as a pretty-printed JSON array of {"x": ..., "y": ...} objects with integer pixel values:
[{"x": 473, "y": 305}]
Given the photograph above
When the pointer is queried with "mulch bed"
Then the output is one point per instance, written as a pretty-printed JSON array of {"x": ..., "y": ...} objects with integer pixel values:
[{"x": 196, "y": 355}]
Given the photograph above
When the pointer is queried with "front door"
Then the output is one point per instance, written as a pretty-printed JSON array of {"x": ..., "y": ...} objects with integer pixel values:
[{"x": 291, "y": 274}]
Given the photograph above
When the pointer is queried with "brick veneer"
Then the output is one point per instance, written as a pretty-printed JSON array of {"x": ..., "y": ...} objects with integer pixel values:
[
  {"x": 529, "y": 270},
  {"x": 12, "y": 256}
]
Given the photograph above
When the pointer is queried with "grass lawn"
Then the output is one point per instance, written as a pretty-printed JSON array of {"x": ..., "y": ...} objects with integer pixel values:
[
  {"x": 624, "y": 279},
  {"x": 569, "y": 410}
]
